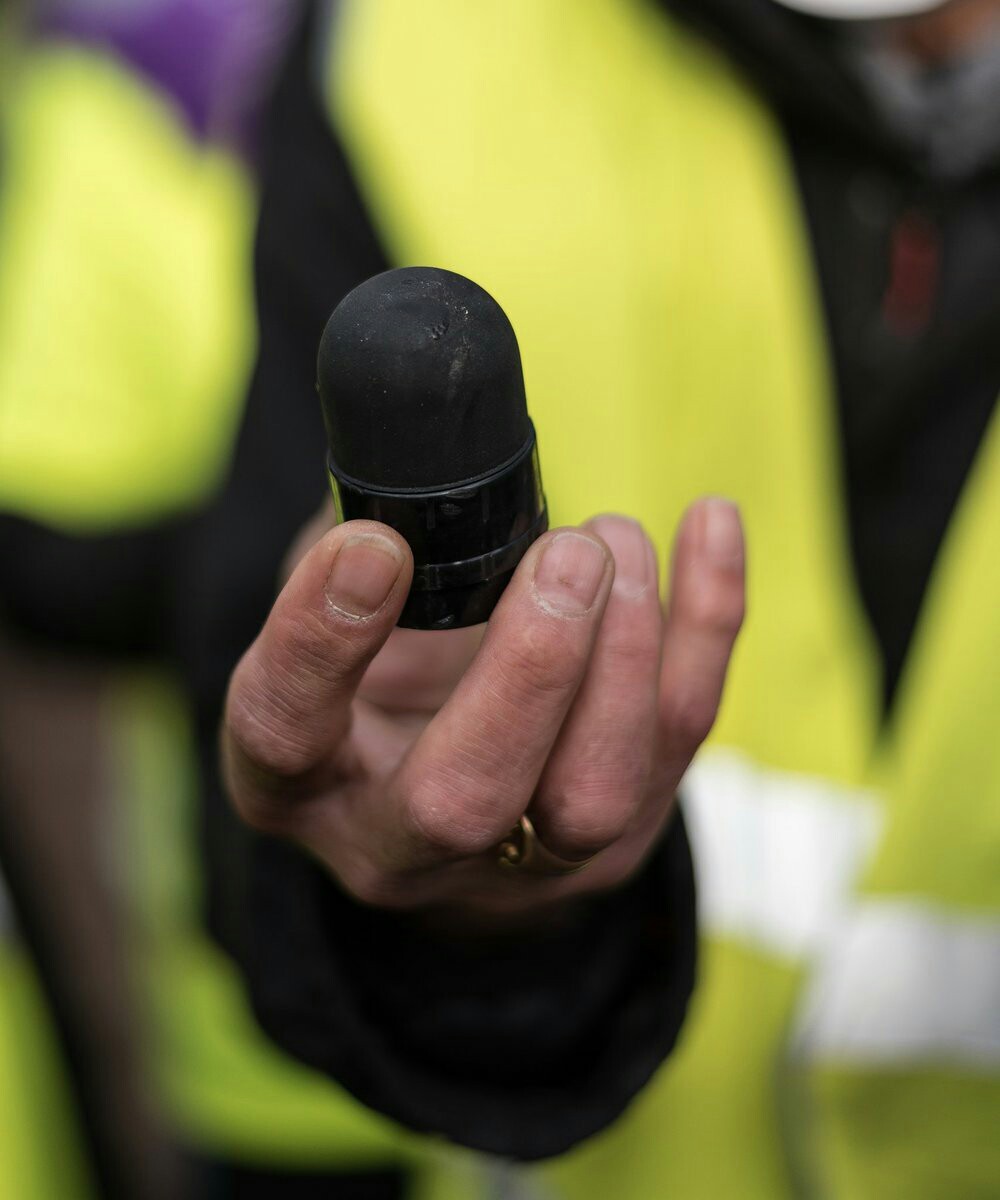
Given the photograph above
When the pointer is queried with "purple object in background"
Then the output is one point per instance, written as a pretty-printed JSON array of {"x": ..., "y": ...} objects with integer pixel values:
[{"x": 215, "y": 58}]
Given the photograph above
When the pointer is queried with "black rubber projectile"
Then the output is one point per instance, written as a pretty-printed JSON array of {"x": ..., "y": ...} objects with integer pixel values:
[{"x": 420, "y": 380}]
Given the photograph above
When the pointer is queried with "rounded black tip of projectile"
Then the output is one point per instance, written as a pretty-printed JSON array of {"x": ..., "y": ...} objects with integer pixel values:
[{"x": 420, "y": 381}]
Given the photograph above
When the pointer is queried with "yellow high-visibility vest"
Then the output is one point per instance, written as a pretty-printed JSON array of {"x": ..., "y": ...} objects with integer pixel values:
[{"x": 629, "y": 201}]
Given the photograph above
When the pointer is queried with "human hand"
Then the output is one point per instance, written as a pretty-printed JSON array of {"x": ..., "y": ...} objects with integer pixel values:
[{"x": 402, "y": 759}]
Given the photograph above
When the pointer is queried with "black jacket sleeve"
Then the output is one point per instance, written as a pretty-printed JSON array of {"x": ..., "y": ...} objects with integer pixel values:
[{"x": 520, "y": 1046}]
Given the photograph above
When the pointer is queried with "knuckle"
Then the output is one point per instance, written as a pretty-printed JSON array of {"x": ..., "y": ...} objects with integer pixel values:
[
  {"x": 443, "y": 817},
  {"x": 271, "y": 745},
  {"x": 632, "y": 654},
  {"x": 690, "y": 720},
  {"x": 586, "y": 818},
  {"x": 540, "y": 663},
  {"x": 717, "y": 610},
  {"x": 578, "y": 843}
]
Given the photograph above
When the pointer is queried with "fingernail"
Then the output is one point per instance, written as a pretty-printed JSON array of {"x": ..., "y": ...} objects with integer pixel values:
[
  {"x": 722, "y": 533},
  {"x": 630, "y": 547},
  {"x": 362, "y": 575},
  {"x": 569, "y": 573}
]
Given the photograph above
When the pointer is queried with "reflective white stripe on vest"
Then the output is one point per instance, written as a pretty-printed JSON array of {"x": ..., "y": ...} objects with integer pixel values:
[
  {"x": 906, "y": 982},
  {"x": 894, "y": 980},
  {"x": 776, "y": 854}
]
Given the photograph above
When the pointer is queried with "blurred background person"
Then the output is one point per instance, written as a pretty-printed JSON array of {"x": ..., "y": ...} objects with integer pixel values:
[
  {"x": 112, "y": 209},
  {"x": 127, "y": 201}
]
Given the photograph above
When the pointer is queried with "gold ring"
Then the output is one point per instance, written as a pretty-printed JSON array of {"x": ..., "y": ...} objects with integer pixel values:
[{"x": 522, "y": 850}]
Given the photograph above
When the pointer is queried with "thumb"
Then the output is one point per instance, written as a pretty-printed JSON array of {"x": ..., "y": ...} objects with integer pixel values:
[{"x": 289, "y": 702}]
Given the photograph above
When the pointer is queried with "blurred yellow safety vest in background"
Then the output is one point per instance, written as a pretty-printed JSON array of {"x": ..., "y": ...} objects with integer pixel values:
[
  {"x": 631, "y": 205},
  {"x": 41, "y": 1154},
  {"x": 126, "y": 341},
  {"x": 125, "y": 301}
]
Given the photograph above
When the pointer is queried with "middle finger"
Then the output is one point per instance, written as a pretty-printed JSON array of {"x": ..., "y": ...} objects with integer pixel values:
[
  {"x": 472, "y": 772},
  {"x": 597, "y": 773}
]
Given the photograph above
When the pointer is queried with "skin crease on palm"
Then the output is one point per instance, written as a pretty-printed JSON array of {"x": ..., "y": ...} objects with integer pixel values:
[{"x": 401, "y": 758}]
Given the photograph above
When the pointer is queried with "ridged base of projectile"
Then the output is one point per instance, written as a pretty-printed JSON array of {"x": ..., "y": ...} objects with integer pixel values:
[
  {"x": 458, "y": 606},
  {"x": 466, "y": 540}
]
